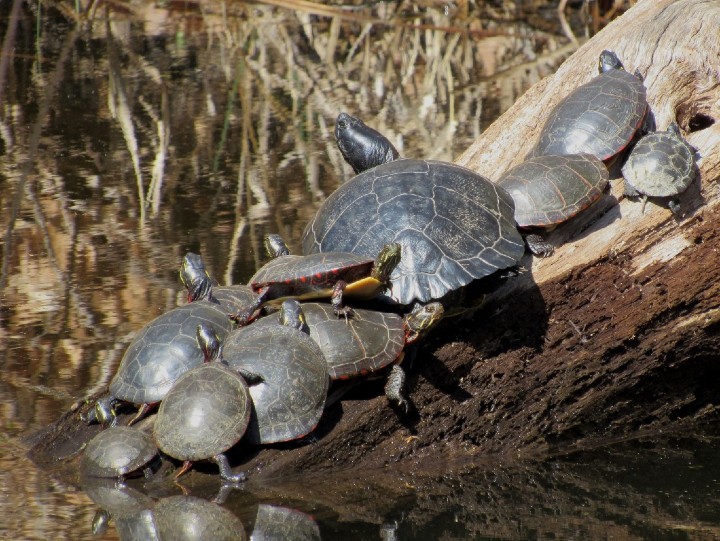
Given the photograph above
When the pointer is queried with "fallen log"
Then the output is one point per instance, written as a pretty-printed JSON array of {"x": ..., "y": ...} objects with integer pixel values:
[{"x": 613, "y": 337}]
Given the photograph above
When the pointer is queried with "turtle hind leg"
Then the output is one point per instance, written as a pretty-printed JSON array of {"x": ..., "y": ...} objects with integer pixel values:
[
  {"x": 226, "y": 473},
  {"x": 394, "y": 388},
  {"x": 538, "y": 245}
]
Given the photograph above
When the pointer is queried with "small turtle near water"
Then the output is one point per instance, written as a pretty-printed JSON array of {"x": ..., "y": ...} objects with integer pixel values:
[
  {"x": 205, "y": 412},
  {"x": 454, "y": 225},
  {"x": 549, "y": 190},
  {"x": 118, "y": 451},
  {"x": 333, "y": 275},
  {"x": 167, "y": 347},
  {"x": 662, "y": 164},
  {"x": 287, "y": 372},
  {"x": 600, "y": 117}
]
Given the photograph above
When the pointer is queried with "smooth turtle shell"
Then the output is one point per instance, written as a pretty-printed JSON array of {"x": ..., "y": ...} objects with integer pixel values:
[
  {"x": 661, "y": 164},
  {"x": 364, "y": 343},
  {"x": 454, "y": 225},
  {"x": 288, "y": 402},
  {"x": 205, "y": 413},
  {"x": 278, "y": 522},
  {"x": 167, "y": 347},
  {"x": 312, "y": 275},
  {"x": 600, "y": 117},
  {"x": 548, "y": 190},
  {"x": 116, "y": 451}
]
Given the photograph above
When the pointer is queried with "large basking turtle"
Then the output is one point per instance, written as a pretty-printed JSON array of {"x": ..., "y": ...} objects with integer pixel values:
[
  {"x": 454, "y": 225},
  {"x": 662, "y": 164},
  {"x": 206, "y": 411},
  {"x": 167, "y": 347},
  {"x": 287, "y": 372},
  {"x": 549, "y": 190},
  {"x": 600, "y": 117},
  {"x": 333, "y": 275}
]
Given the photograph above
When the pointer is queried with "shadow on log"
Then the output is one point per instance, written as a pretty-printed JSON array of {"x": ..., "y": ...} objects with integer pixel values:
[{"x": 614, "y": 337}]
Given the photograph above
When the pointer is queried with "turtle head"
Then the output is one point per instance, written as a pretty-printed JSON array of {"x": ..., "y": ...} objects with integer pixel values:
[
  {"x": 361, "y": 146},
  {"x": 421, "y": 319},
  {"x": 386, "y": 261},
  {"x": 609, "y": 61},
  {"x": 292, "y": 315},
  {"x": 275, "y": 245},
  {"x": 209, "y": 342},
  {"x": 674, "y": 129},
  {"x": 194, "y": 276}
]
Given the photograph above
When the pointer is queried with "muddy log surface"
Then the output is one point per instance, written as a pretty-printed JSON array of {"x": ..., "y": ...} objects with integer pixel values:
[{"x": 615, "y": 336}]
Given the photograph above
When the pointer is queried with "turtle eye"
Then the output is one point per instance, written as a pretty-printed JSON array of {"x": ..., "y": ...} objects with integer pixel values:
[{"x": 342, "y": 124}]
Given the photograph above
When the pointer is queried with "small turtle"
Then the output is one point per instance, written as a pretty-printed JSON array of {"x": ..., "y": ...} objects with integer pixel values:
[
  {"x": 287, "y": 372},
  {"x": 369, "y": 341},
  {"x": 454, "y": 225},
  {"x": 549, "y": 190},
  {"x": 361, "y": 146},
  {"x": 118, "y": 451},
  {"x": 332, "y": 275},
  {"x": 662, "y": 164},
  {"x": 600, "y": 117},
  {"x": 205, "y": 412},
  {"x": 167, "y": 347}
]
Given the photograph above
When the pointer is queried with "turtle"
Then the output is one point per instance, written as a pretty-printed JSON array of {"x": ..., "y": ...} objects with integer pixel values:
[
  {"x": 279, "y": 522},
  {"x": 454, "y": 226},
  {"x": 367, "y": 342},
  {"x": 333, "y": 275},
  {"x": 662, "y": 164},
  {"x": 167, "y": 347},
  {"x": 128, "y": 507},
  {"x": 206, "y": 411},
  {"x": 187, "y": 518},
  {"x": 118, "y": 451},
  {"x": 549, "y": 190},
  {"x": 600, "y": 117},
  {"x": 287, "y": 372},
  {"x": 366, "y": 148}
]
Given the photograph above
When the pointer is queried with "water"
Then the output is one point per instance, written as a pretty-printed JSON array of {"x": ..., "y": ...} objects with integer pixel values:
[{"x": 127, "y": 140}]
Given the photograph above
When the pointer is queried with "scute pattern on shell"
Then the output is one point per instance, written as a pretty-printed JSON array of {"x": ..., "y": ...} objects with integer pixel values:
[
  {"x": 167, "y": 347},
  {"x": 117, "y": 451},
  {"x": 289, "y": 401},
  {"x": 454, "y": 226},
  {"x": 205, "y": 413},
  {"x": 661, "y": 165},
  {"x": 548, "y": 190},
  {"x": 598, "y": 118}
]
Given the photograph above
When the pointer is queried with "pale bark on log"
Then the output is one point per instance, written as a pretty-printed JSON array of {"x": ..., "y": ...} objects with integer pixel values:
[{"x": 613, "y": 337}]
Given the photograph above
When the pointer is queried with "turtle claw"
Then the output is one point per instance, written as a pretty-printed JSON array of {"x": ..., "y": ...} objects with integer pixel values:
[{"x": 242, "y": 318}]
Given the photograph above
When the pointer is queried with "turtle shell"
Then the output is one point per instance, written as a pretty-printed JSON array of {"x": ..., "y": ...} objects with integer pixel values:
[
  {"x": 167, "y": 347},
  {"x": 453, "y": 225},
  {"x": 289, "y": 399},
  {"x": 117, "y": 451},
  {"x": 548, "y": 190},
  {"x": 205, "y": 413},
  {"x": 600, "y": 117},
  {"x": 312, "y": 275},
  {"x": 359, "y": 345},
  {"x": 661, "y": 164}
]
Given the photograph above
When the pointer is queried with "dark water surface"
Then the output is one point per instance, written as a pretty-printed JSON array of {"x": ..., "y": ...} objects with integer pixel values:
[{"x": 128, "y": 138}]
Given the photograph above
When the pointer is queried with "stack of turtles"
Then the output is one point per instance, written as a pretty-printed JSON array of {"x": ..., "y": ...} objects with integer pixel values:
[{"x": 402, "y": 236}]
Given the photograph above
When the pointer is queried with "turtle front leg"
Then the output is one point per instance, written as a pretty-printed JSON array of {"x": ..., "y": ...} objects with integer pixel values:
[
  {"x": 226, "y": 473},
  {"x": 629, "y": 191},
  {"x": 674, "y": 206},
  {"x": 142, "y": 412},
  {"x": 249, "y": 314},
  {"x": 394, "y": 387},
  {"x": 539, "y": 246},
  {"x": 336, "y": 300}
]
